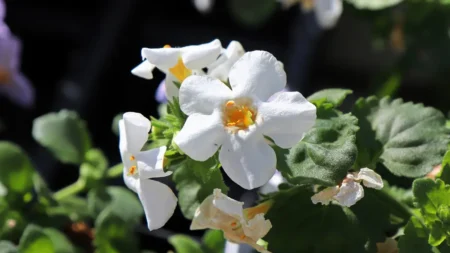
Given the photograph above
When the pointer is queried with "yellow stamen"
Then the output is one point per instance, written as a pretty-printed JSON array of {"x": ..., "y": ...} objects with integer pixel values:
[
  {"x": 233, "y": 224},
  {"x": 132, "y": 170},
  {"x": 132, "y": 158},
  {"x": 167, "y": 46},
  {"x": 238, "y": 116},
  {"x": 5, "y": 76},
  {"x": 250, "y": 213},
  {"x": 180, "y": 71}
]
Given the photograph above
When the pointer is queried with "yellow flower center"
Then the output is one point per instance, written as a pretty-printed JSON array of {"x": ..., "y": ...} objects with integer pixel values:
[
  {"x": 5, "y": 76},
  {"x": 238, "y": 116},
  {"x": 179, "y": 70}
]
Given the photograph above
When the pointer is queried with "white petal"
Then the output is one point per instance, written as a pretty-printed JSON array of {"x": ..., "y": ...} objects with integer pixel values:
[
  {"x": 328, "y": 12},
  {"x": 203, "y": 215},
  {"x": 163, "y": 58},
  {"x": 201, "y": 136},
  {"x": 257, "y": 227},
  {"x": 272, "y": 185},
  {"x": 257, "y": 73},
  {"x": 370, "y": 178},
  {"x": 221, "y": 68},
  {"x": 228, "y": 205},
  {"x": 171, "y": 89},
  {"x": 202, "y": 94},
  {"x": 286, "y": 118},
  {"x": 247, "y": 159},
  {"x": 204, "y": 6},
  {"x": 144, "y": 70},
  {"x": 349, "y": 193},
  {"x": 325, "y": 196},
  {"x": 150, "y": 163},
  {"x": 135, "y": 130},
  {"x": 200, "y": 56},
  {"x": 158, "y": 201},
  {"x": 131, "y": 181}
]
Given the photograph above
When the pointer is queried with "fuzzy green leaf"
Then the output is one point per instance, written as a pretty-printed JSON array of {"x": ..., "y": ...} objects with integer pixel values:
[
  {"x": 195, "y": 181},
  {"x": 335, "y": 97},
  {"x": 327, "y": 151},
  {"x": 44, "y": 240},
  {"x": 444, "y": 175},
  {"x": 414, "y": 137},
  {"x": 415, "y": 238},
  {"x": 16, "y": 173},
  {"x": 213, "y": 241},
  {"x": 64, "y": 134},
  {"x": 185, "y": 244}
]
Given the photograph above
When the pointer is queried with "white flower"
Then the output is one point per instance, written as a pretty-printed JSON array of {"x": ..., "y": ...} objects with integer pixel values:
[
  {"x": 272, "y": 185},
  {"x": 177, "y": 63},
  {"x": 221, "y": 68},
  {"x": 158, "y": 200},
  {"x": 220, "y": 212},
  {"x": 350, "y": 191},
  {"x": 237, "y": 120},
  {"x": 203, "y": 6}
]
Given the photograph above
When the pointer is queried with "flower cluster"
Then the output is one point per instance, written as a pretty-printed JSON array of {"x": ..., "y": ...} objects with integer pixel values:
[{"x": 13, "y": 84}]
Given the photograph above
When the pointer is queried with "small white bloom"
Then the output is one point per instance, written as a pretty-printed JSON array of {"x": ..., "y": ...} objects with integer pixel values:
[
  {"x": 158, "y": 200},
  {"x": 220, "y": 212},
  {"x": 237, "y": 120},
  {"x": 328, "y": 12},
  {"x": 272, "y": 185},
  {"x": 204, "y": 6},
  {"x": 221, "y": 68},
  {"x": 350, "y": 191},
  {"x": 177, "y": 63}
]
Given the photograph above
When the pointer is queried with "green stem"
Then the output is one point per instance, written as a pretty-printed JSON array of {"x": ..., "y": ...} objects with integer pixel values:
[
  {"x": 115, "y": 171},
  {"x": 70, "y": 190}
]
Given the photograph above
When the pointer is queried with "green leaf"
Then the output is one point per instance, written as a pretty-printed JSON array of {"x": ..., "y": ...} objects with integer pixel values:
[
  {"x": 445, "y": 171},
  {"x": 73, "y": 207},
  {"x": 415, "y": 238},
  {"x": 335, "y": 97},
  {"x": 117, "y": 198},
  {"x": 252, "y": 13},
  {"x": 327, "y": 151},
  {"x": 16, "y": 172},
  {"x": 313, "y": 228},
  {"x": 44, "y": 194},
  {"x": 213, "y": 241},
  {"x": 64, "y": 134},
  {"x": 369, "y": 148},
  {"x": 12, "y": 224},
  {"x": 414, "y": 137},
  {"x": 93, "y": 169},
  {"x": 184, "y": 244},
  {"x": 38, "y": 240},
  {"x": 8, "y": 247},
  {"x": 192, "y": 187},
  {"x": 373, "y": 4},
  {"x": 113, "y": 234}
]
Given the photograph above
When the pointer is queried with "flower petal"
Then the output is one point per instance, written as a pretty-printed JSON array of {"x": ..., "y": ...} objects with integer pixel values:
[
  {"x": 160, "y": 94},
  {"x": 327, "y": 12},
  {"x": 19, "y": 91},
  {"x": 257, "y": 227},
  {"x": 201, "y": 136},
  {"x": 203, "y": 214},
  {"x": 150, "y": 163},
  {"x": 144, "y": 70},
  {"x": 325, "y": 196},
  {"x": 370, "y": 178},
  {"x": 171, "y": 89},
  {"x": 158, "y": 201},
  {"x": 257, "y": 73},
  {"x": 131, "y": 181},
  {"x": 228, "y": 205},
  {"x": 163, "y": 58},
  {"x": 272, "y": 185},
  {"x": 221, "y": 68},
  {"x": 204, "y": 6},
  {"x": 349, "y": 193},
  {"x": 247, "y": 159},
  {"x": 135, "y": 132},
  {"x": 200, "y": 56},
  {"x": 202, "y": 94},
  {"x": 286, "y": 118}
]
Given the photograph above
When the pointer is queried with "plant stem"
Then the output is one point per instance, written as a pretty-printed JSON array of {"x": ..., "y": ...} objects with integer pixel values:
[
  {"x": 69, "y": 190},
  {"x": 115, "y": 171}
]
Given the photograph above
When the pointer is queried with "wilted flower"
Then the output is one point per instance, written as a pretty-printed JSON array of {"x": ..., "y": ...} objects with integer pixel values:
[
  {"x": 13, "y": 83},
  {"x": 177, "y": 63},
  {"x": 158, "y": 200},
  {"x": 220, "y": 212},
  {"x": 350, "y": 191},
  {"x": 237, "y": 120}
]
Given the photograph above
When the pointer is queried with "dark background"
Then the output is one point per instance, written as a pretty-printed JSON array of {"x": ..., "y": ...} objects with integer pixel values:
[{"x": 79, "y": 54}]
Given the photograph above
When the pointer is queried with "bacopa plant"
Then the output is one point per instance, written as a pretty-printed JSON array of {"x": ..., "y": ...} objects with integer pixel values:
[{"x": 327, "y": 178}]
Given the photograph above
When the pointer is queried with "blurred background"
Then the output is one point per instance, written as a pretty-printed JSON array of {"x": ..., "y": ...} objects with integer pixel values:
[{"x": 79, "y": 54}]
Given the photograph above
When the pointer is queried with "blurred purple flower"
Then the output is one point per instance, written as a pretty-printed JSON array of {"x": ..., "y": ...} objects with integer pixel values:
[
  {"x": 160, "y": 95},
  {"x": 2, "y": 11},
  {"x": 13, "y": 83}
]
